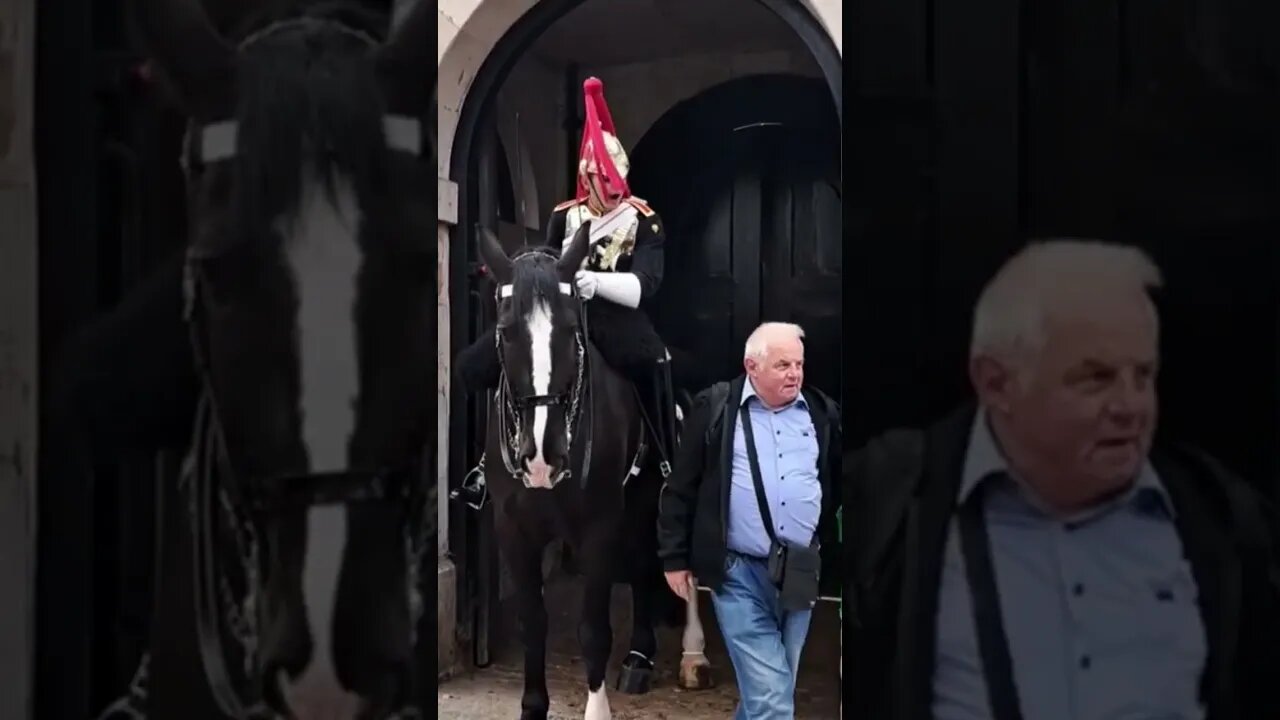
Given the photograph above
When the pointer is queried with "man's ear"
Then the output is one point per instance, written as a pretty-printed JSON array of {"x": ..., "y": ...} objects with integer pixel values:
[{"x": 993, "y": 381}]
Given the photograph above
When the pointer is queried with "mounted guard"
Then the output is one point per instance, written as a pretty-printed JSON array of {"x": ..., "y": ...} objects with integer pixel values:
[{"x": 623, "y": 269}]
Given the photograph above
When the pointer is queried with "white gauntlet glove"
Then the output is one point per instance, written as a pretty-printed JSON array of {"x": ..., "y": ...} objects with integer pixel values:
[
  {"x": 620, "y": 288},
  {"x": 588, "y": 282}
]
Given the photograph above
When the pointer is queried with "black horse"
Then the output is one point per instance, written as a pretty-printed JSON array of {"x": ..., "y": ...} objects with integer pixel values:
[
  {"x": 567, "y": 448},
  {"x": 299, "y": 331}
]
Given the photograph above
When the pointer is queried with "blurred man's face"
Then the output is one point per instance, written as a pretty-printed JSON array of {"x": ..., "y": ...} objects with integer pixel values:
[
  {"x": 601, "y": 192},
  {"x": 779, "y": 375},
  {"x": 1084, "y": 408}
]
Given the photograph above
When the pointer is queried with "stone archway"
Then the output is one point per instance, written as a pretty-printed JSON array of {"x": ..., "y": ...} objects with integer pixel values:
[{"x": 469, "y": 31}]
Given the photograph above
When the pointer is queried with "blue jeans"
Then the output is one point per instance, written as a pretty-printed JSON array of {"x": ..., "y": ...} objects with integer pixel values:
[{"x": 764, "y": 641}]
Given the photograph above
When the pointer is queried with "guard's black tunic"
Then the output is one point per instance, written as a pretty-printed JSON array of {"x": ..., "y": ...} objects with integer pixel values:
[
  {"x": 624, "y": 336},
  {"x": 644, "y": 259}
]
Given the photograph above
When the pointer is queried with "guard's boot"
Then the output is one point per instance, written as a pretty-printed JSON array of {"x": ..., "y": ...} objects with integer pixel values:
[{"x": 473, "y": 492}]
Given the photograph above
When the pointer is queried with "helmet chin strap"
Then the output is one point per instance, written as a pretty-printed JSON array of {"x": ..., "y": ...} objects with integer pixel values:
[{"x": 595, "y": 201}]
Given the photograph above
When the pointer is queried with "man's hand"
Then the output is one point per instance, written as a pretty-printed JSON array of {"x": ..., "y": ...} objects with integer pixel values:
[
  {"x": 681, "y": 583},
  {"x": 588, "y": 283}
]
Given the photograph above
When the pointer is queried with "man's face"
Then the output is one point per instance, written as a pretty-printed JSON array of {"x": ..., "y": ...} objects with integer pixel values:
[
  {"x": 1085, "y": 405},
  {"x": 778, "y": 376}
]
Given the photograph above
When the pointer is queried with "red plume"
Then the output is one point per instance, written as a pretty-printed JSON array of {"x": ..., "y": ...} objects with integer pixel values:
[{"x": 598, "y": 119}]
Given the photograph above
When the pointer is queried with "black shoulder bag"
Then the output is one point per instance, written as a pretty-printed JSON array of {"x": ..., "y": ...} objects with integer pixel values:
[{"x": 793, "y": 569}]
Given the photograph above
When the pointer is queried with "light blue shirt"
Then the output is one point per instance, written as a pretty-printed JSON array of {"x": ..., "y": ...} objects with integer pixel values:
[
  {"x": 787, "y": 447},
  {"x": 1100, "y": 609}
]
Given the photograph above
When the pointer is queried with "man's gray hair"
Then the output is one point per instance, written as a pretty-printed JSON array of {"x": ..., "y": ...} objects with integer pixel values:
[
  {"x": 768, "y": 333},
  {"x": 1050, "y": 277}
]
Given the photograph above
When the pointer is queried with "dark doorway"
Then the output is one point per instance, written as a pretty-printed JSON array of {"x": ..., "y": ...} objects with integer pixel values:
[{"x": 746, "y": 177}]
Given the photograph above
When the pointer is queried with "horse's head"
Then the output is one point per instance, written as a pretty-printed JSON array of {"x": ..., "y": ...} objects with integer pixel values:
[
  {"x": 312, "y": 271},
  {"x": 543, "y": 349}
]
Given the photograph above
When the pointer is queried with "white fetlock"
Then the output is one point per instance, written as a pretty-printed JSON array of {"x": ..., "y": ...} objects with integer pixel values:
[{"x": 597, "y": 705}]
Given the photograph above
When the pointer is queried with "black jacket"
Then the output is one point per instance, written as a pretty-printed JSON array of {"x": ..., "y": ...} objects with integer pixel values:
[
  {"x": 694, "y": 507},
  {"x": 902, "y": 489}
]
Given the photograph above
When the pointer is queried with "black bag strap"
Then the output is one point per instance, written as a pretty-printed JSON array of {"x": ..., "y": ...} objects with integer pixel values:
[
  {"x": 754, "y": 459},
  {"x": 993, "y": 643}
]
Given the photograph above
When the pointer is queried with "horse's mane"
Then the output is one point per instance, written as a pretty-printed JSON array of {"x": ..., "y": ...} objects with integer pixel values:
[
  {"x": 533, "y": 279},
  {"x": 306, "y": 91}
]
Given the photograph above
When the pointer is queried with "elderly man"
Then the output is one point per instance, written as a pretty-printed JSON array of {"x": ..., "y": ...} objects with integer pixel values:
[
  {"x": 1032, "y": 557},
  {"x": 741, "y": 511}
]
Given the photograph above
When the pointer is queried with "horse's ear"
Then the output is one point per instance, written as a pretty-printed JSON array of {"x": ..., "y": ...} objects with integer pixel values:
[
  {"x": 494, "y": 257},
  {"x": 572, "y": 258},
  {"x": 403, "y": 59},
  {"x": 190, "y": 53}
]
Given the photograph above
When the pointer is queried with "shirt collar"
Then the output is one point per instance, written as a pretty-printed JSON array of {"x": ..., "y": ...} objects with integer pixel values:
[
  {"x": 985, "y": 458},
  {"x": 749, "y": 391}
]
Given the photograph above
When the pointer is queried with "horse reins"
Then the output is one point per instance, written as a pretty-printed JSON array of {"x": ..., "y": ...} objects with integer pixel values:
[{"x": 580, "y": 398}]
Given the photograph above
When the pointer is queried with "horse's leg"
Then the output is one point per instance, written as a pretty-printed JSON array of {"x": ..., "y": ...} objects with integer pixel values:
[
  {"x": 648, "y": 590},
  {"x": 122, "y": 383},
  {"x": 695, "y": 669},
  {"x": 636, "y": 676},
  {"x": 524, "y": 557},
  {"x": 599, "y": 553}
]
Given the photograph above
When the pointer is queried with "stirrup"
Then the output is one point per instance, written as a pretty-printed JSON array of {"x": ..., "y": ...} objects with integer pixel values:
[{"x": 475, "y": 488}]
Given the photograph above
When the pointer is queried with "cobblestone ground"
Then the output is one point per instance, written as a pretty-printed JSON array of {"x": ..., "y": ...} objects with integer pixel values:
[{"x": 494, "y": 693}]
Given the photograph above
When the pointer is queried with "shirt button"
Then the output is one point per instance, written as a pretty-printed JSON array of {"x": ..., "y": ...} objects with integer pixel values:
[
  {"x": 1085, "y": 662},
  {"x": 1078, "y": 590},
  {"x": 784, "y": 503}
]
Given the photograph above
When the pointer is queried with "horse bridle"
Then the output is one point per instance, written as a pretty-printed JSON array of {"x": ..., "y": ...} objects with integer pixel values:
[
  {"x": 213, "y": 484},
  {"x": 577, "y": 399}
]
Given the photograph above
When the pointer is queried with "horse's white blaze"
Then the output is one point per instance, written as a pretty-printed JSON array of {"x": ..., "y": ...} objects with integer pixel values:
[
  {"x": 597, "y": 705},
  {"x": 539, "y": 324},
  {"x": 322, "y": 254}
]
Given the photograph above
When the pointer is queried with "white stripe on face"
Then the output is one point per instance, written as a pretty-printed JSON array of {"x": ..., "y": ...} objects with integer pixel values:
[
  {"x": 324, "y": 259},
  {"x": 539, "y": 326}
]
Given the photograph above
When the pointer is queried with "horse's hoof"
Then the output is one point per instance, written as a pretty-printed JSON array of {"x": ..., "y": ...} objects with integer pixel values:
[
  {"x": 636, "y": 676},
  {"x": 696, "y": 675}
]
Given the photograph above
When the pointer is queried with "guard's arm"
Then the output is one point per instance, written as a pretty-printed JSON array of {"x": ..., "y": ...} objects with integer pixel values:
[
  {"x": 647, "y": 260},
  {"x": 621, "y": 288}
]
